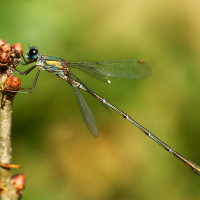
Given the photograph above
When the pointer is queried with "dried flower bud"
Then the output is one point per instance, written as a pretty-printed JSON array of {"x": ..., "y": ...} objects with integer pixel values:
[
  {"x": 6, "y": 48},
  {"x": 12, "y": 83},
  {"x": 2, "y": 42},
  {"x": 18, "y": 47},
  {"x": 19, "y": 181},
  {"x": 5, "y": 52},
  {"x": 4, "y": 57}
]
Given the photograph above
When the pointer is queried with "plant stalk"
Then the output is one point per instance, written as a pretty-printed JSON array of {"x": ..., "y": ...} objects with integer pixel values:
[{"x": 7, "y": 190}]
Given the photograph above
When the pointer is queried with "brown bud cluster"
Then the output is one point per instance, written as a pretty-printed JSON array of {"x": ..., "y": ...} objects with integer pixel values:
[
  {"x": 8, "y": 53},
  {"x": 5, "y": 52}
]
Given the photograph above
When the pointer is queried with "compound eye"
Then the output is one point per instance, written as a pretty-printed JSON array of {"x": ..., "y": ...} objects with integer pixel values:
[{"x": 33, "y": 53}]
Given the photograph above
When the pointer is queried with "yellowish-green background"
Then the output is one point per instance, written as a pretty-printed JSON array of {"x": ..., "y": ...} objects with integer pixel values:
[{"x": 59, "y": 157}]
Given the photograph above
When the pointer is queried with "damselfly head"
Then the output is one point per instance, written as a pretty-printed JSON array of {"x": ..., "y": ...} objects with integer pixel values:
[{"x": 33, "y": 53}]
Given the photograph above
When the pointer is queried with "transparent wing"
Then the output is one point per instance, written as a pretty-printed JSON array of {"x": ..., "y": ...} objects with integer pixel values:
[
  {"x": 127, "y": 69},
  {"x": 86, "y": 112}
]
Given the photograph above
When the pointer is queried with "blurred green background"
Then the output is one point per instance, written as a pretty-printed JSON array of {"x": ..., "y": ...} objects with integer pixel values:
[{"x": 58, "y": 155}]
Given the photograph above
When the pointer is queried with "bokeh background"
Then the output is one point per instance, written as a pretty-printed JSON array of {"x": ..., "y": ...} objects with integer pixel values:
[{"x": 58, "y": 155}]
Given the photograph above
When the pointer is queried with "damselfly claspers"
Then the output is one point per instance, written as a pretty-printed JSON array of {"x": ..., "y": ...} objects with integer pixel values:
[{"x": 127, "y": 69}]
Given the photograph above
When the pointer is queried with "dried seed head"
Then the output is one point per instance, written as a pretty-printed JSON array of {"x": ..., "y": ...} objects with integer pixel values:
[
  {"x": 18, "y": 47},
  {"x": 4, "y": 57},
  {"x": 6, "y": 48},
  {"x": 2, "y": 42},
  {"x": 12, "y": 83},
  {"x": 5, "y": 52}
]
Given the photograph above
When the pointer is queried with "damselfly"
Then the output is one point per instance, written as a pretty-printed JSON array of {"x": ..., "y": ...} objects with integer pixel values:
[{"x": 127, "y": 69}]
